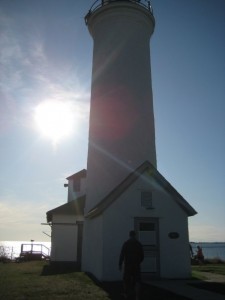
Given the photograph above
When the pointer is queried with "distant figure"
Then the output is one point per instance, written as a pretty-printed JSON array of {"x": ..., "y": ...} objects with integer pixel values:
[
  {"x": 191, "y": 251},
  {"x": 131, "y": 256},
  {"x": 199, "y": 255}
]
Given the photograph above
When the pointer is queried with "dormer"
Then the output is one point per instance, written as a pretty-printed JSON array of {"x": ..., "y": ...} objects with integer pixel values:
[{"x": 76, "y": 185}]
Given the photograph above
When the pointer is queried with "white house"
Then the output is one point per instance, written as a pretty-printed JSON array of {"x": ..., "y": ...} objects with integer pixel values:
[{"x": 122, "y": 189}]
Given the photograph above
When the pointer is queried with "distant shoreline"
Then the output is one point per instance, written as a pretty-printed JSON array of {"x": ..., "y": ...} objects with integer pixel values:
[
  {"x": 207, "y": 242},
  {"x": 210, "y": 249}
]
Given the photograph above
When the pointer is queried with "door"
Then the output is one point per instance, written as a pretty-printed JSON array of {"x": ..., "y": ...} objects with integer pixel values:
[{"x": 148, "y": 235}]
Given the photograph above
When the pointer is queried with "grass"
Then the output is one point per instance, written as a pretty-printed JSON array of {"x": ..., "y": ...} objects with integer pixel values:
[
  {"x": 36, "y": 280},
  {"x": 217, "y": 287},
  {"x": 24, "y": 281},
  {"x": 212, "y": 268}
]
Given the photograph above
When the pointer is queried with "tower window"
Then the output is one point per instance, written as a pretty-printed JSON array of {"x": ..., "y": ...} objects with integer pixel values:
[{"x": 146, "y": 199}]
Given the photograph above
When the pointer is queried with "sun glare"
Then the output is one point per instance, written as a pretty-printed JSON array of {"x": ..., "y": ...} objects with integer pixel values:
[{"x": 55, "y": 119}]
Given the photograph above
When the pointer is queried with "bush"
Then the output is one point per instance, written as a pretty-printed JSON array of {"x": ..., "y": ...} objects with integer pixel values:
[{"x": 4, "y": 254}]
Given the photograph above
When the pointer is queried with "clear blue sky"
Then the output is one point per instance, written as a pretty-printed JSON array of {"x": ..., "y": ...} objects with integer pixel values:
[{"x": 46, "y": 54}]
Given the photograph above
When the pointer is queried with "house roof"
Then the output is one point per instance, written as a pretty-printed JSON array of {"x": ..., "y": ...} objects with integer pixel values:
[
  {"x": 132, "y": 177},
  {"x": 80, "y": 174},
  {"x": 75, "y": 207}
]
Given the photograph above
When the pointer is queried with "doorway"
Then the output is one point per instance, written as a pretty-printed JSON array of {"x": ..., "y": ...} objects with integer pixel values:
[{"x": 147, "y": 231}]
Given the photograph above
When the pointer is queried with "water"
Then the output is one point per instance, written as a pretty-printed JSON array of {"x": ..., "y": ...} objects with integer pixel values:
[
  {"x": 13, "y": 248},
  {"x": 210, "y": 250}
]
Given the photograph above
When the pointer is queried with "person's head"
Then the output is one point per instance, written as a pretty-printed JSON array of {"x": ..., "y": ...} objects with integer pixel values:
[{"x": 132, "y": 234}]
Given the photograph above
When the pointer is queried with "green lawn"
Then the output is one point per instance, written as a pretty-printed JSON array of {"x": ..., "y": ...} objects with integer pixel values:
[
  {"x": 212, "y": 268},
  {"x": 218, "y": 287},
  {"x": 24, "y": 281}
]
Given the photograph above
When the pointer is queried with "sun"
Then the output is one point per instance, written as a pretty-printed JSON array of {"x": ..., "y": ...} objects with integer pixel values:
[{"x": 55, "y": 119}]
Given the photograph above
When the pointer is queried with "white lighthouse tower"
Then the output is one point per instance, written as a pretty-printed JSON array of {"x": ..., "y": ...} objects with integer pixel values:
[
  {"x": 125, "y": 191},
  {"x": 121, "y": 132}
]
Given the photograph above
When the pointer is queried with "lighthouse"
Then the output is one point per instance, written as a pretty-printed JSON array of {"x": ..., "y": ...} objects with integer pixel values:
[
  {"x": 121, "y": 190},
  {"x": 121, "y": 128},
  {"x": 125, "y": 191}
]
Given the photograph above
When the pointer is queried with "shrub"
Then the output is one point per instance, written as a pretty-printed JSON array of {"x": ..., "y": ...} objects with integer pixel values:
[{"x": 4, "y": 254}]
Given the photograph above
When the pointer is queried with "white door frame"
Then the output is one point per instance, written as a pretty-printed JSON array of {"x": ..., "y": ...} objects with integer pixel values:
[{"x": 150, "y": 250}]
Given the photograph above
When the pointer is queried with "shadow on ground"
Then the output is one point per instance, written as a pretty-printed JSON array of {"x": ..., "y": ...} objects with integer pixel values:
[
  {"x": 215, "y": 287},
  {"x": 114, "y": 290}
]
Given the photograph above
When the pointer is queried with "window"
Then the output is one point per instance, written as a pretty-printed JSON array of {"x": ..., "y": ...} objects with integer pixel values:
[
  {"x": 147, "y": 233},
  {"x": 146, "y": 199},
  {"x": 146, "y": 226}
]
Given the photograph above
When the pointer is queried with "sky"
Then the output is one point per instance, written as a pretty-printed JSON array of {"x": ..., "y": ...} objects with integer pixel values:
[{"x": 46, "y": 58}]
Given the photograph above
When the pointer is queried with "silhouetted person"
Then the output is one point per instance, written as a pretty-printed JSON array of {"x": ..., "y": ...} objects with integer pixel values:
[
  {"x": 199, "y": 256},
  {"x": 131, "y": 256}
]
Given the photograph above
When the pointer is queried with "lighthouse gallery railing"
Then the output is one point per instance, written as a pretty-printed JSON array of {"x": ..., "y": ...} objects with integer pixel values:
[{"x": 99, "y": 3}]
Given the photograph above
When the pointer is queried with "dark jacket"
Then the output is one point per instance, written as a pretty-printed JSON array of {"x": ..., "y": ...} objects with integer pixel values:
[{"x": 132, "y": 253}]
